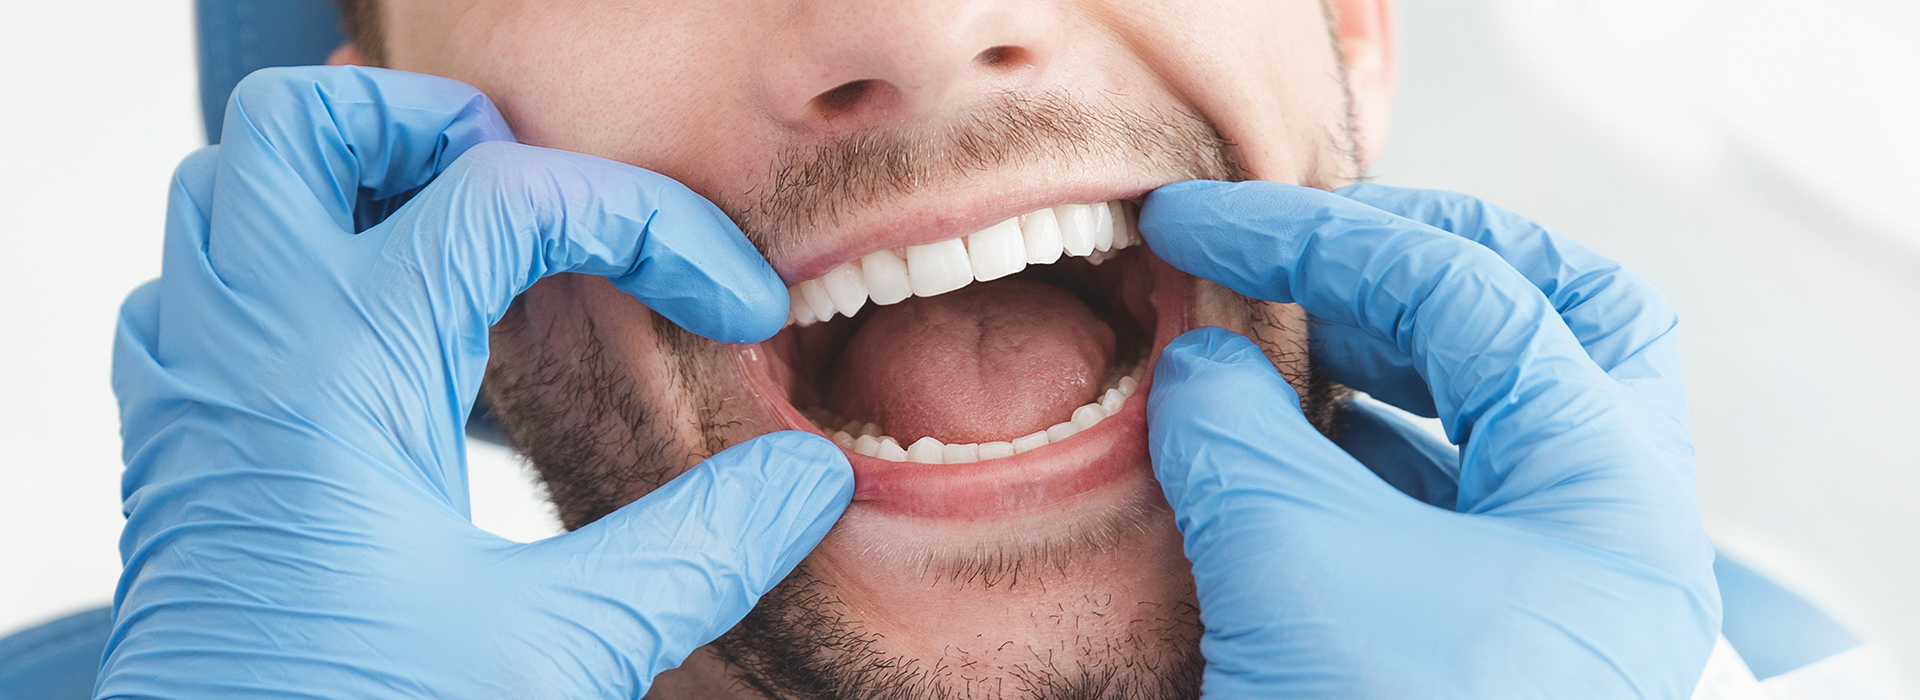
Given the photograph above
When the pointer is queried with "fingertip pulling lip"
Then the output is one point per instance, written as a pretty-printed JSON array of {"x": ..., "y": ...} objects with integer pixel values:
[{"x": 1108, "y": 453}]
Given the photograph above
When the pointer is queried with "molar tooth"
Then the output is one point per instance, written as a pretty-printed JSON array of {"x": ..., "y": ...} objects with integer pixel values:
[
  {"x": 938, "y": 268},
  {"x": 847, "y": 287},
  {"x": 1061, "y": 431},
  {"x": 866, "y": 445},
  {"x": 1076, "y": 228},
  {"x": 886, "y": 277},
  {"x": 1128, "y": 385},
  {"x": 1022, "y": 444},
  {"x": 1111, "y": 401},
  {"x": 870, "y": 429},
  {"x": 1098, "y": 256},
  {"x": 1040, "y": 231},
  {"x": 960, "y": 454},
  {"x": 1085, "y": 416},
  {"x": 995, "y": 450},
  {"x": 817, "y": 299},
  {"x": 852, "y": 427},
  {"x": 926, "y": 450},
  {"x": 891, "y": 450},
  {"x": 841, "y": 438},
  {"x": 997, "y": 251},
  {"x": 1102, "y": 226}
]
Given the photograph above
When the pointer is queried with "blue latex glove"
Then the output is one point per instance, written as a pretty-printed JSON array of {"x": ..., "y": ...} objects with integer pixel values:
[
  {"x": 293, "y": 394},
  {"x": 1572, "y": 562}
]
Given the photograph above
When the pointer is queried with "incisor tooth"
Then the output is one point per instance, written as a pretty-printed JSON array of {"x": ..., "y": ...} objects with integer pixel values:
[
  {"x": 960, "y": 454},
  {"x": 1076, "y": 228},
  {"x": 1040, "y": 231},
  {"x": 847, "y": 287},
  {"x": 997, "y": 251},
  {"x": 1102, "y": 226},
  {"x": 1022, "y": 444},
  {"x": 938, "y": 268},
  {"x": 817, "y": 299},
  {"x": 886, "y": 277},
  {"x": 995, "y": 450},
  {"x": 1061, "y": 431},
  {"x": 926, "y": 450}
]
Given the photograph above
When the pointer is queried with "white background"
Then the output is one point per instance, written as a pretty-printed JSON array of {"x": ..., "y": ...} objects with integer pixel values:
[{"x": 1754, "y": 159}]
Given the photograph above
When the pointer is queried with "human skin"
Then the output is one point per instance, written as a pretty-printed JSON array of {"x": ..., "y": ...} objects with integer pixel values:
[{"x": 1085, "y": 592}]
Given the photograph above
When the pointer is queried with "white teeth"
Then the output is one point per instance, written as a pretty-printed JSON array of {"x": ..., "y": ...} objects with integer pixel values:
[
  {"x": 1041, "y": 233},
  {"x": 815, "y": 294},
  {"x": 926, "y": 450},
  {"x": 938, "y": 268},
  {"x": 1076, "y": 228},
  {"x": 1102, "y": 226},
  {"x": 960, "y": 454},
  {"x": 886, "y": 276},
  {"x": 997, "y": 251},
  {"x": 847, "y": 287},
  {"x": 869, "y": 440},
  {"x": 1041, "y": 237}
]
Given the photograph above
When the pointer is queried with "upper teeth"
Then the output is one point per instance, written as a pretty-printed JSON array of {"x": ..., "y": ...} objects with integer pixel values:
[{"x": 1034, "y": 238}]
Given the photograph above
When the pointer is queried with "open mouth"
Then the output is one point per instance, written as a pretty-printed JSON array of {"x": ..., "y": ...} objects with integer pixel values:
[{"x": 1005, "y": 369}]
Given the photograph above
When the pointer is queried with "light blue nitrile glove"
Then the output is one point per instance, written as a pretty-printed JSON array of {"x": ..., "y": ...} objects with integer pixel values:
[
  {"x": 293, "y": 392},
  {"x": 1572, "y": 562}
]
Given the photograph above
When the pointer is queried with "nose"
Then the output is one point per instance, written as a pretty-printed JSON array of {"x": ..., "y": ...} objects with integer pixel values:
[{"x": 839, "y": 63}]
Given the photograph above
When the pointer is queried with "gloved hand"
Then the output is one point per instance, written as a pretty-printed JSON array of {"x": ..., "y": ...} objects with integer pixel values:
[
  {"x": 293, "y": 390},
  {"x": 1571, "y": 562}
]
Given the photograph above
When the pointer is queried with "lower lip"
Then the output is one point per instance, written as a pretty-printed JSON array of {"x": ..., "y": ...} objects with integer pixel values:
[{"x": 1089, "y": 461}]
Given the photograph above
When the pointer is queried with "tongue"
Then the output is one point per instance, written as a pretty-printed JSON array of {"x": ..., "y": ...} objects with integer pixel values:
[{"x": 985, "y": 363}]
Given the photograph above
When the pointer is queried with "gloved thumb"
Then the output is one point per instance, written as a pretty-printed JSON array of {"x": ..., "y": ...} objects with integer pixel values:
[{"x": 679, "y": 567}]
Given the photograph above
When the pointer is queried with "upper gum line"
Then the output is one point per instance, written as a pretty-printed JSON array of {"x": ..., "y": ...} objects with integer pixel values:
[{"x": 1037, "y": 237}]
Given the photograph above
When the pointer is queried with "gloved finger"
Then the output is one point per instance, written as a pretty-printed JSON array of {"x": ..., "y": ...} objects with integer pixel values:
[
  {"x": 1363, "y": 361},
  {"x": 679, "y": 567},
  {"x": 1546, "y": 435},
  {"x": 1259, "y": 496},
  {"x": 1625, "y": 324}
]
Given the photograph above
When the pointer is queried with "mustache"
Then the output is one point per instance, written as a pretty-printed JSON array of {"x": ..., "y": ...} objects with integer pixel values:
[{"x": 812, "y": 187}]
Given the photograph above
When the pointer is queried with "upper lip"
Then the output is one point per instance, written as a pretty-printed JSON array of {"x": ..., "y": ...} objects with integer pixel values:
[{"x": 936, "y": 218}]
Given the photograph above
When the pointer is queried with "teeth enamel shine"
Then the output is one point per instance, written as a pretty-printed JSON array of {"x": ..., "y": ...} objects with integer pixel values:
[
  {"x": 926, "y": 450},
  {"x": 960, "y": 454},
  {"x": 891, "y": 450},
  {"x": 997, "y": 251},
  {"x": 1022, "y": 444},
  {"x": 1040, "y": 237},
  {"x": 886, "y": 276},
  {"x": 938, "y": 268},
  {"x": 1041, "y": 233},
  {"x": 995, "y": 450}
]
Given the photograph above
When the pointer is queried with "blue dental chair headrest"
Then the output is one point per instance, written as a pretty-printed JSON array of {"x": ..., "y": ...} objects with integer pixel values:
[{"x": 237, "y": 37}]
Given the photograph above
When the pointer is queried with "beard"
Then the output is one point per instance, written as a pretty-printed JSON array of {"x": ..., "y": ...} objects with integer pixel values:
[{"x": 601, "y": 437}]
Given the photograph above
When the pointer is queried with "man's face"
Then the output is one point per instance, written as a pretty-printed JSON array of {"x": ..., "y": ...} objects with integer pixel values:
[{"x": 837, "y": 131}]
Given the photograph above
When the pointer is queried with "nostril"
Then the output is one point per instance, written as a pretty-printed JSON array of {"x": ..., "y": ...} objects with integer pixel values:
[
  {"x": 1003, "y": 57},
  {"x": 845, "y": 97}
]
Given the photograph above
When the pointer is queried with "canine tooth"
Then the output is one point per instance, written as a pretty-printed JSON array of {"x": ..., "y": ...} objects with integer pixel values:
[
  {"x": 847, "y": 287},
  {"x": 938, "y": 268},
  {"x": 1102, "y": 226},
  {"x": 1111, "y": 401},
  {"x": 817, "y": 299},
  {"x": 1076, "y": 228},
  {"x": 870, "y": 429},
  {"x": 926, "y": 450},
  {"x": 866, "y": 445},
  {"x": 995, "y": 450},
  {"x": 1127, "y": 385},
  {"x": 997, "y": 251},
  {"x": 841, "y": 438},
  {"x": 886, "y": 277},
  {"x": 960, "y": 454},
  {"x": 1022, "y": 444},
  {"x": 891, "y": 450},
  {"x": 1126, "y": 231},
  {"x": 1085, "y": 416},
  {"x": 1040, "y": 231},
  {"x": 802, "y": 313}
]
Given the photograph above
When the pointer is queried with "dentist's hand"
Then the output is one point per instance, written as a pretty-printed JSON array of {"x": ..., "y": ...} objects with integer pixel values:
[
  {"x": 293, "y": 390},
  {"x": 1572, "y": 562}
]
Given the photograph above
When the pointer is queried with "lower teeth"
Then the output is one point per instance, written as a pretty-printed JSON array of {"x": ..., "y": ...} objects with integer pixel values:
[{"x": 868, "y": 438}]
